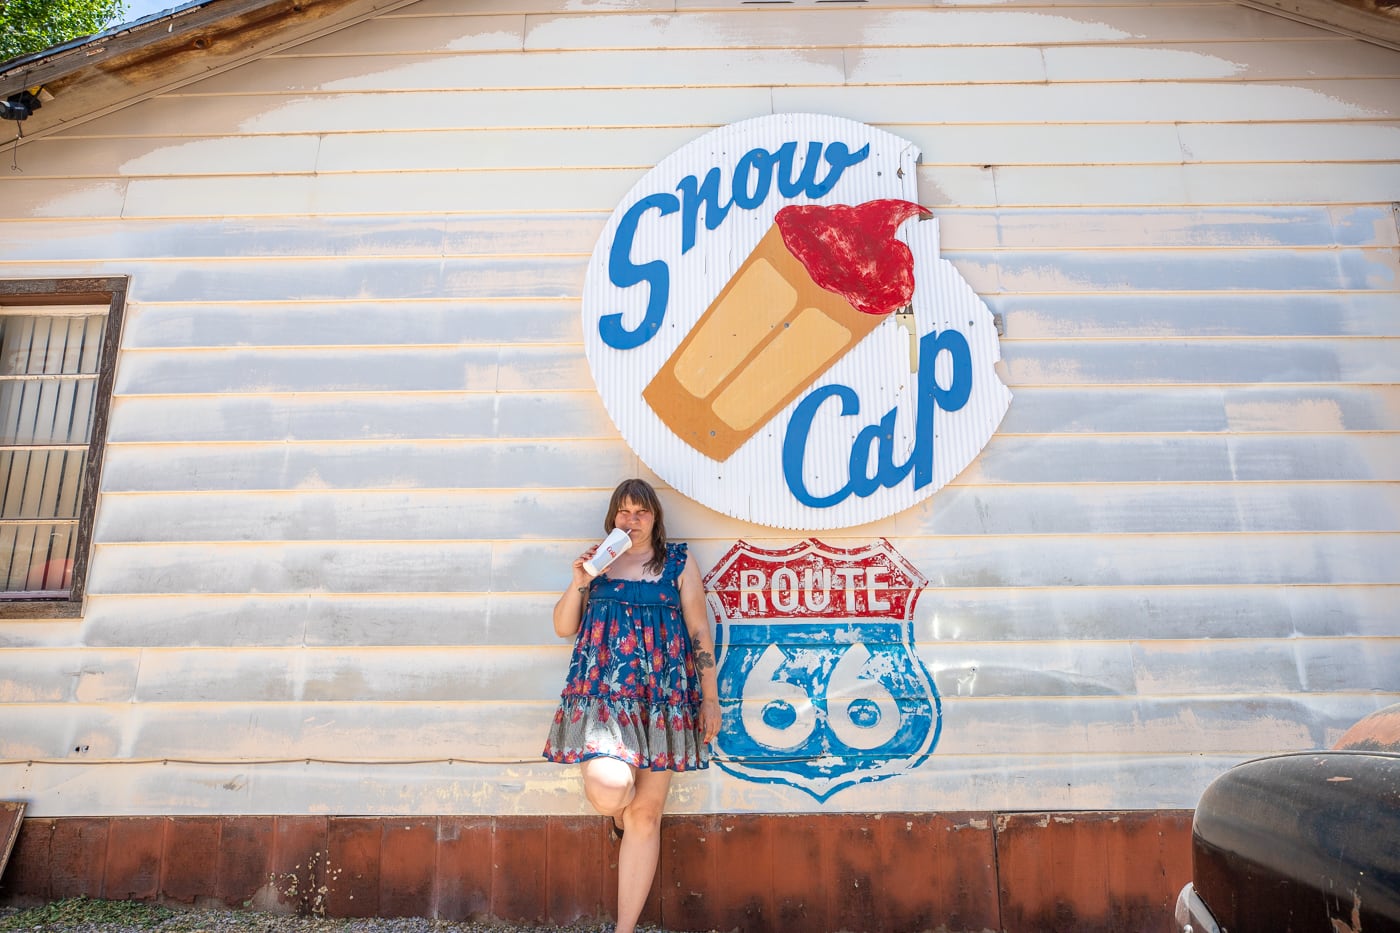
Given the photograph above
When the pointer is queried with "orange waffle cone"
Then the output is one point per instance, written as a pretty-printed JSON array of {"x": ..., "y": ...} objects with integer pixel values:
[{"x": 767, "y": 336}]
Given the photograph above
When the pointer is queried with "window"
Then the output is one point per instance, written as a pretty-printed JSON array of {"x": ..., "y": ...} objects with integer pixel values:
[{"x": 58, "y": 347}]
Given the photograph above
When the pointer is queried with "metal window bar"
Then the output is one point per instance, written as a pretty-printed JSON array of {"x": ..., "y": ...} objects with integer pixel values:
[{"x": 49, "y": 360}]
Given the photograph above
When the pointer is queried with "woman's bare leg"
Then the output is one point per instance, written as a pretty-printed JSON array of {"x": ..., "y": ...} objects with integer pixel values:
[
  {"x": 609, "y": 785},
  {"x": 641, "y": 845}
]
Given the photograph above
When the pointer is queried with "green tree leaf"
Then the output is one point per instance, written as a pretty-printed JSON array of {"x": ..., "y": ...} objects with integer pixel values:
[{"x": 34, "y": 25}]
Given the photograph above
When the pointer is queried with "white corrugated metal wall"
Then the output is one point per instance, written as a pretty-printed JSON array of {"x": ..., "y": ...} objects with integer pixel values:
[{"x": 355, "y": 442}]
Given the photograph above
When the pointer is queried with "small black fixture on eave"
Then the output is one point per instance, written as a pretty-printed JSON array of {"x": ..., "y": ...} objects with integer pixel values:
[{"x": 19, "y": 106}]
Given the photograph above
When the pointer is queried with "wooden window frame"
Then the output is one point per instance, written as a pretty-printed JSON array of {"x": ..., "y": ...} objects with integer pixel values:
[{"x": 109, "y": 290}]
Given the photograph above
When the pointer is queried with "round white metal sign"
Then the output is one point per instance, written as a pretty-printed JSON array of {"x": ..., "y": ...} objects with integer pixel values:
[{"x": 772, "y": 330}]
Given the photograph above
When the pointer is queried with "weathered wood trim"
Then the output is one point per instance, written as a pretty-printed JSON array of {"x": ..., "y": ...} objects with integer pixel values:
[
  {"x": 110, "y": 290},
  {"x": 105, "y": 72},
  {"x": 11, "y": 815},
  {"x": 102, "y": 406},
  {"x": 1378, "y": 28}
]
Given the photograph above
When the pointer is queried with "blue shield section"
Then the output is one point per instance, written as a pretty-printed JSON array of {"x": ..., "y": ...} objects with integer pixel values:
[{"x": 823, "y": 705}]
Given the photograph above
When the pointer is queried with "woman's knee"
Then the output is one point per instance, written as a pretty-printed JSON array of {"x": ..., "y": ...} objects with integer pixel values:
[
  {"x": 644, "y": 814},
  {"x": 608, "y": 784}
]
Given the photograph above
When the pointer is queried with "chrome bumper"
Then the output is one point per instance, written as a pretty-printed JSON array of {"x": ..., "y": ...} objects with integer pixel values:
[{"x": 1192, "y": 915}]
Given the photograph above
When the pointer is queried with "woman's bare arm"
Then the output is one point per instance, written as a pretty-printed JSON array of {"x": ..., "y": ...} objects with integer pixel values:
[
  {"x": 702, "y": 644},
  {"x": 568, "y": 611}
]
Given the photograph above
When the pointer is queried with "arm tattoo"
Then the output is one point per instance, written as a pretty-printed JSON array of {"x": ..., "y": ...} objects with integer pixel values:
[{"x": 703, "y": 660}]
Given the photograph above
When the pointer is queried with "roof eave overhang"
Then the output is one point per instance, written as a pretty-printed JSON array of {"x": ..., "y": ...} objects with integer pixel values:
[
  {"x": 1353, "y": 18},
  {"x": 100, "y": 73}
]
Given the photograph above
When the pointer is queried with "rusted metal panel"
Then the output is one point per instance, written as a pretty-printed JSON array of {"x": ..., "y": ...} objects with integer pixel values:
[
  {"x": 881, "y": 866},
  {"x": 407, "y": 853},
  {"x": 300, "y": 850},
  {"x": 854, "y": 872},
  {"x": 580, "y": 868},
  {"x": 464, "y": 875},
  {"x": 135, "y": 858},
  {"x": 77, "y": 857},
  {"x": 244, "y": 860},
  {"x": 28, "y": 878},
  {"x": 189, "y": 870},
  {"x": 519, "y": 889},
  {"x": 354, "y": 860},
  {"x": 1077, "y": 872},
  {"x": 11, "y": 818},
  {"x": 1377, "y": 732}
]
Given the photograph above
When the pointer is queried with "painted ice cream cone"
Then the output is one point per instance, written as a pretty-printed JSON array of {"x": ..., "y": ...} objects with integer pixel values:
[{"x": 820, "y": 280}]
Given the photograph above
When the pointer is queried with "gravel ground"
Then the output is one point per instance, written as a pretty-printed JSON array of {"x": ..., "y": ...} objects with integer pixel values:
[{"x": 80, "y": 915}]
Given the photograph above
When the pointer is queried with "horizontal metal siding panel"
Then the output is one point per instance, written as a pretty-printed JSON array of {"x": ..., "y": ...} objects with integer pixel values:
[
  {"x": 414, "y": 236},
  {"x": 456, "y": 151},
  {"x": 1045, "y": 411},
  {"x": 348, "y": 236},
  {"x": 451, "y": 514},
  {"x": 462, "y": 787},
  {"x": 938, "y": 26},
  {"x": 343, "y": 112},
  {"x": 1322, "y": 55},
  {"x": 1187, "y": 458},
  {"x": 353, "y": 61},
  {"x": 1007, "y": 186},
  {"x": 385, "y": 323},
  {"x": 1223, "y": 272},
  {"x": 947, "y": 615},
  {"x": 1239, "y": 410},
  {"x": 550, "y": 369},
  {"x": 533, "y": 672},
  {"x": 346, "y": 416},
  {"x": 294, "y": 567},
  {"x": 343, "y": 69},
  {"x": 1144, "y": 315},
  {"x": 456, "y": 566},
  {"x": 378, "y": 432},
  {"x": 508, "y": 733},
  {"x": 587, "y": 463},
  {"x": 891, "y": 105},
  {"x": 64, "y": 675}
]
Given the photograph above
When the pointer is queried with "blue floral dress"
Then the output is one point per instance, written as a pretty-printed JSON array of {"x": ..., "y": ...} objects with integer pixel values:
[{"x": 632, "y": 693}]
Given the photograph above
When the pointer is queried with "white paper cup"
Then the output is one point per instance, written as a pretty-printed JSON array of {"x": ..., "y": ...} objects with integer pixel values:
[{"x": 613, "y": 545}]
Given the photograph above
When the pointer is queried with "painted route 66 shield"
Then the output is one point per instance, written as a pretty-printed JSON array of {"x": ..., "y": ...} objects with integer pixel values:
[{"x": 819, "y": 682}]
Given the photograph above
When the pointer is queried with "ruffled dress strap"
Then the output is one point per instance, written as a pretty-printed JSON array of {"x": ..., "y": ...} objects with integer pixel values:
[{"x": 675, "y": 564}]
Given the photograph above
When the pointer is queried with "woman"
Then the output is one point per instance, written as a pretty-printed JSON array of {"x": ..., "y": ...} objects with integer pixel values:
[{"x": 642, "y": 698}]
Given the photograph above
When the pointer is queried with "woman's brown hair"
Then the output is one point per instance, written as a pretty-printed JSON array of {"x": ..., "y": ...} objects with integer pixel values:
[{"x": 640, "y": 492}]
